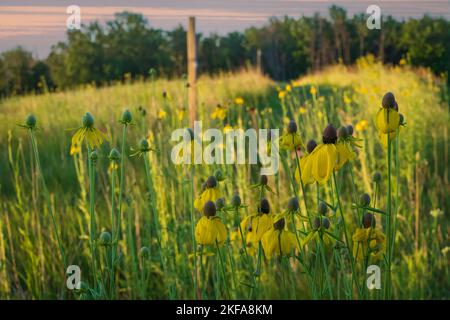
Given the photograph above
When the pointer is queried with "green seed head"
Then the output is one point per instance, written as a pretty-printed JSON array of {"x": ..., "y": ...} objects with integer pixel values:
[
  {"x": 329, "y": 135},
  {"x": 293, "y": 204},
  {"x": 401, "y": 119},
  {"x": 279, "y": 224},
  {"x": 144, "y": 145},
  {"x": 364, "y": 200},
  {"x": 368, "y": 220},
  {"x": 126, "y": 117},
  {"x": 292, "y": 127},
  {"x": 388, "y": 100},
  {"x": 326, "y": 223},
  {"x": 211, "y": 182},
  {"x": 236, "y": 200},
  {"x": 350, "y": 130},
  {"x": 220, "y": 203},
  {"x": 94, "y": 156},
  {"x": 144, "y": 252},
  {"x": 114, "y": 155},
  {"x": 88, "y": 120},
  {"x": 209, "y": 209},
  {"x": 342, "y": 132},
  {"x": 105, "y": 238},
  {"x": 218, "y": 174},
  {"x": 311, "y": 145},
  {"x": 264, "y": 206},
  {"x": 263, "y": 180},
  {"x": 316, "y": 223},
  {"x": 376, "y": 177},
  {"x": 31, "y": 121},
  {"x": 322, "y": 208}
]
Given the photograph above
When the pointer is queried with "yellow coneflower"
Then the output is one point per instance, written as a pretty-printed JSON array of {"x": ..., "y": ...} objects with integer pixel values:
[
  {"x": 75, "y": 149},
  {"x": 260, "y": 223},
  {"x": 288, "y": 88},
  {"x": 384, "y": 136},
  {"x": 210, "y": 193},
  {"x": 387, "y": 119},
  {"x": 281, "y": 94},
  {"x": 277, "y": 241},
  {"x": 368, "y": 242},
  {"x": 323, "y": 158},
  {"x": 210, "y": 229},
  {"x": 239, "y": 101},
  {"x": 161, "y": 114},
  {"x": 89, "y": 133},
  {"x": 345, "y": 145},
  {"x": 290, "y": 140},
  {"x": 219, "y": 113},
  {"x": 227, "y": 128},
  {"x": 361, "y": 125},
  {"x": 305, "y": 164},
  {"x": 313, "y": 90},
  {"x": 302, "y": 110}
]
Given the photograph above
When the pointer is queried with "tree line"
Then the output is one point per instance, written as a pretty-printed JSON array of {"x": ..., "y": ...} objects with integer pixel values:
[{"x": 284, "y": 48}]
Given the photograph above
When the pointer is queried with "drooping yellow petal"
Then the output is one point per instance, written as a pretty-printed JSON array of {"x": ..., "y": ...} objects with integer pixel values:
[
  {"x": 387, "y": 120},
  {"x": 210, "y": 231}
]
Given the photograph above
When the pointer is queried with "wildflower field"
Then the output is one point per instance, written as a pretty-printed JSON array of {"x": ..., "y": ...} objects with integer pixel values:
[{"x": 84, "y": 182}]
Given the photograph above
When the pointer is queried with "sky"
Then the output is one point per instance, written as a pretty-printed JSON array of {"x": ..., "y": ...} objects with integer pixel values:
[{"x": 36, "y": 25}]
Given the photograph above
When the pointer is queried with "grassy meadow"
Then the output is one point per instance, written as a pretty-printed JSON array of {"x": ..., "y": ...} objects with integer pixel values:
[{"x": 156, "y": 201}]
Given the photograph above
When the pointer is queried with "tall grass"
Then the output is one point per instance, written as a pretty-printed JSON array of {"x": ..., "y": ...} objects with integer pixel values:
[{"x": 155, "y": 196}]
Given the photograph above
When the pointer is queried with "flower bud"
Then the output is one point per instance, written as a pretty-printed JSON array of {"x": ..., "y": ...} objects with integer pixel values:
[
  {"x": 220, "y": 203},
  {"x": 316, "y": 223},
  {"x": 329, "y": 134},
  {"x": 126, "y": 117},
  {"x": 211, "y": 182},
  {"x": 342, "y": 132},
  {"x": 364, "y": 200},
  {"x": 401, "y": 119},
  {"x": 31, "y": 121},
  {"x": 311, "y": 145},
  {"x": 218, "y": 174},
  {"x": 350, "y": 130},
  {"x": 209, "y": 209},
  {"x": 264, "y": 206},
  {"x": 105, "y": 238},
  {"x": 236, "y": 200},
  {"x": 368, "y": 220},
  {"x": 376, "y": 177},
  {"x": 114, "y": 155},
  {"x": 164, "y": 94},
  {"x": 88, "y": 120},
  {"x": 144, "y": 252},
  {"x": 293, "y": 204},
  {"x": 263, "y": 180},
  {"x": 279, "y": 224},
  {"x": 322, "y": 208},
  {"x": 326, "y": 223},
  {"x": 292, "y": 127},
  {"x": 388, "y": 100},
  {"x": 94, "y": 156},
  {"x": 144, "y": 145}
]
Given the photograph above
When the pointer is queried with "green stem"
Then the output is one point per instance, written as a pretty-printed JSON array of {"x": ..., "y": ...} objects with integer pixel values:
[
  {"x": 113, "y": 222},
  {"x": 193, "y": 229},
  {"x": 121, "y": 186},
  {"x": 47, "y": 196},
  {"x": 92, "y": 214},
  {"x": 347, "y": 242}
]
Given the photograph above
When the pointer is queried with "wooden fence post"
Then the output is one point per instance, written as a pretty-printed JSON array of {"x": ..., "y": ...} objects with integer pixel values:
[{"x": 192, "y": 71}]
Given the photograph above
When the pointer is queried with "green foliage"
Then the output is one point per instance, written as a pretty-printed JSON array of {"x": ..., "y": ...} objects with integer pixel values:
[{"x": 127, "y": 48}]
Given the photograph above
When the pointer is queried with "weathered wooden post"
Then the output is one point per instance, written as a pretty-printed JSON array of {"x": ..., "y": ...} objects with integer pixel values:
[{"x": 192, "y": 70}]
